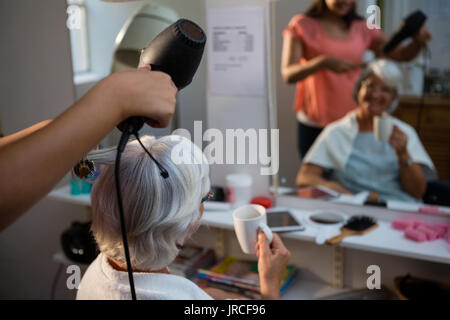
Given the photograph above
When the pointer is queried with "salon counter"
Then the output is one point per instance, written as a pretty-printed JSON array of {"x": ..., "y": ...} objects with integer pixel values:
[{"x": 383, "y": 239}]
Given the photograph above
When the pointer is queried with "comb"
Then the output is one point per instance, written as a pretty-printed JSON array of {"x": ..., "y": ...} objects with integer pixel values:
[{"x": 357, "y": 225}]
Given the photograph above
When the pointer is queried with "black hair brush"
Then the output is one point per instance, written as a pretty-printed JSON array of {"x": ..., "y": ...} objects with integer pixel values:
[{"x": 356, "y": 225}]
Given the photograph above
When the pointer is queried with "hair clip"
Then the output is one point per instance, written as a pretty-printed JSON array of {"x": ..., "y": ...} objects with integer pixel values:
[
  {"x": 86, "y": 170},
  {"x": 209, "y": 196}
]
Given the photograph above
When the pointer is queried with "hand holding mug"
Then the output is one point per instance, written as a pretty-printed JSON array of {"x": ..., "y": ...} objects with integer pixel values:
[
  {"x": 398, "y": 141},
  {"x": 272, "y": 262}
]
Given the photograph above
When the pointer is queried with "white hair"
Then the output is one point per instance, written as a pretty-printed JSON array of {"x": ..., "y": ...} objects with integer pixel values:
[
  {"x": 159, "y": 213},
  {"x": 389, "y": 73}
]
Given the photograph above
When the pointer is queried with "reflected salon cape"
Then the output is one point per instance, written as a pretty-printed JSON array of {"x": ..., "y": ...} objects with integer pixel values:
[{"x": 333, "y": 147}]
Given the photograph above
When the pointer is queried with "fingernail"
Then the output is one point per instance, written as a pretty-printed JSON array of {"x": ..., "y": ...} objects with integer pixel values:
[{"x": 146, "y": 66}]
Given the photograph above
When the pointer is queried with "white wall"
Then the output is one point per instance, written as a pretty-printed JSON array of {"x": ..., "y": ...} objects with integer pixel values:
[
  {"x": 35, "y": 77},
  {"x": 35, "y": 84},
  {"x": 240, "y": 112}
]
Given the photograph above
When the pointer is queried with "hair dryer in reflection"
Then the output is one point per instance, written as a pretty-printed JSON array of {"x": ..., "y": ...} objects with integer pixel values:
[
  {"x": 177, "y": 51},
  {"x": 410, "y": 27}
]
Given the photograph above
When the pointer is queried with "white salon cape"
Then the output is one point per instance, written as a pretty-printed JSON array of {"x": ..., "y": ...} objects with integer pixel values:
[
  {"x": 334, "y": 146},
  {"x": 102, "y": 282}
]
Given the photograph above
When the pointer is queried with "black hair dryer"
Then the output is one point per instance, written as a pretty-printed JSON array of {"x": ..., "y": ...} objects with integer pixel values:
[
  {"x": 177, "y": 51},
  {"x": 411, "y": 26}
]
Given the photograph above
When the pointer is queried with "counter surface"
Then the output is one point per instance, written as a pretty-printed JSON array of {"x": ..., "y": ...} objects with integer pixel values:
[{"x": 383, "y": 239}]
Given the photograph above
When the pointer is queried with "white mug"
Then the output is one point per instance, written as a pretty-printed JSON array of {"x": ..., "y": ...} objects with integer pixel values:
[
  {"x": 382, "y": 128},
  {"x": 248, "y": 220},
  {"x": 238, "y": 189}
]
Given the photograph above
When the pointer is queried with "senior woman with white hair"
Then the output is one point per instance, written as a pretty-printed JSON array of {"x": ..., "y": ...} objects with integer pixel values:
[
  {"x": 160, "y": 216},
  {"x": 394, "y": 169}
]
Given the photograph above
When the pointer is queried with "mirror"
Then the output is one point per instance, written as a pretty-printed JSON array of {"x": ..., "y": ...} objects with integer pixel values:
[
  {"x": 429, "y": 114},
  {"x": 327, "y": 223},
  {"x": 103, "y": 45},
  {"x": 326, "y": 217}
]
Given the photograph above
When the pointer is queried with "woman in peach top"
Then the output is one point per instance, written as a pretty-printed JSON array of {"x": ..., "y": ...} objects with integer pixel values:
[{"x": 322, "y": 53}]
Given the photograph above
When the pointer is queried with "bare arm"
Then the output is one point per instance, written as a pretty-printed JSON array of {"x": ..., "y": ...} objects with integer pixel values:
[
  {"x": 311, "y": 175},
  {"x": 412, "y": 178},
  {"x": 291, "y": 68},
  {"x": 293, "y": 71},
  {"x": 404, "y": 52},
  {"x": 33, "y": 163},
  {"x": 22, "y": 134}
]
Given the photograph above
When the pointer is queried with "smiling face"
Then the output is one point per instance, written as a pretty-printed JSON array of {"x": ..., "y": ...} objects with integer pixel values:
[
  {"x": 340, "y": 7},
  {"x": 375, "y": 96}
]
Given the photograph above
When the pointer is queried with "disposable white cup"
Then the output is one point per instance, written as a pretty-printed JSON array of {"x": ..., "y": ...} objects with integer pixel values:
[
  {"x": 239, "y": 189},
  {"x": 248, "y": 220},
  {"x": 382, "y": 128}
]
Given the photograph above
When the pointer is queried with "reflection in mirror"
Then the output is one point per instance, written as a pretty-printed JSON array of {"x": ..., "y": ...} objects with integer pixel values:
[
  {"x": 126, "y": 59},
  {"x": 325, "y": 217},
  {"x": 322, "y": 83}
]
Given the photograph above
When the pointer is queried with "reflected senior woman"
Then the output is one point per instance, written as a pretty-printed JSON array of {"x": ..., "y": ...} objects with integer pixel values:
[
  {"x": 160, "y": 215},
  {"x": 355, "y": 161}
]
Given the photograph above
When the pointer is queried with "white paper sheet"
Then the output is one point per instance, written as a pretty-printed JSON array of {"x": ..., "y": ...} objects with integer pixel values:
[
  {"x": 355, "y": 199},
  {"x": 236, "y": 51}
]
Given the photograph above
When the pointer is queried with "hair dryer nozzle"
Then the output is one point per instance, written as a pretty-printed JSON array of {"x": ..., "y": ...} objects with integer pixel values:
[{"x": 177, "y": 51}]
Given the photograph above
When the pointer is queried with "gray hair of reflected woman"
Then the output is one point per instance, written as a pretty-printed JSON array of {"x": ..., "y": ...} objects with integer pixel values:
[
  {"x": 160, "y": 214},
  {"x": 389, "y": 73}
]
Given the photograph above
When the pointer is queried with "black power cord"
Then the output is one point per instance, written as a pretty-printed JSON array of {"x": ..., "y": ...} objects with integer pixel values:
[
  {"x": 163, "y": 171},
  {"x": 122, "y": 144},
  {"x": 128, "y": 130}
]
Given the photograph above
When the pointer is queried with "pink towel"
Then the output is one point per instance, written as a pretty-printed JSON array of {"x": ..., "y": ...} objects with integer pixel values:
[
  {"x": 415, "y": 235},
  {"x": 429, "y": 232},
  {"x": 417, "y": 222},
  {"x": 441, "y": 230},
  {"x": 419, "y": 230},
  {"x": 402, "y": 224},
  {"x": 445, "y": 226}
]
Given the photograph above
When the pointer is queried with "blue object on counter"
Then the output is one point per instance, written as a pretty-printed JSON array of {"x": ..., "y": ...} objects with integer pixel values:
[{"x": 78, "y": 186}]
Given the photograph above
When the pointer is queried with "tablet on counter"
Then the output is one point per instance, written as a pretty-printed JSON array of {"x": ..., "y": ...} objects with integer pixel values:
[{"x": 281, "y": 220}]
